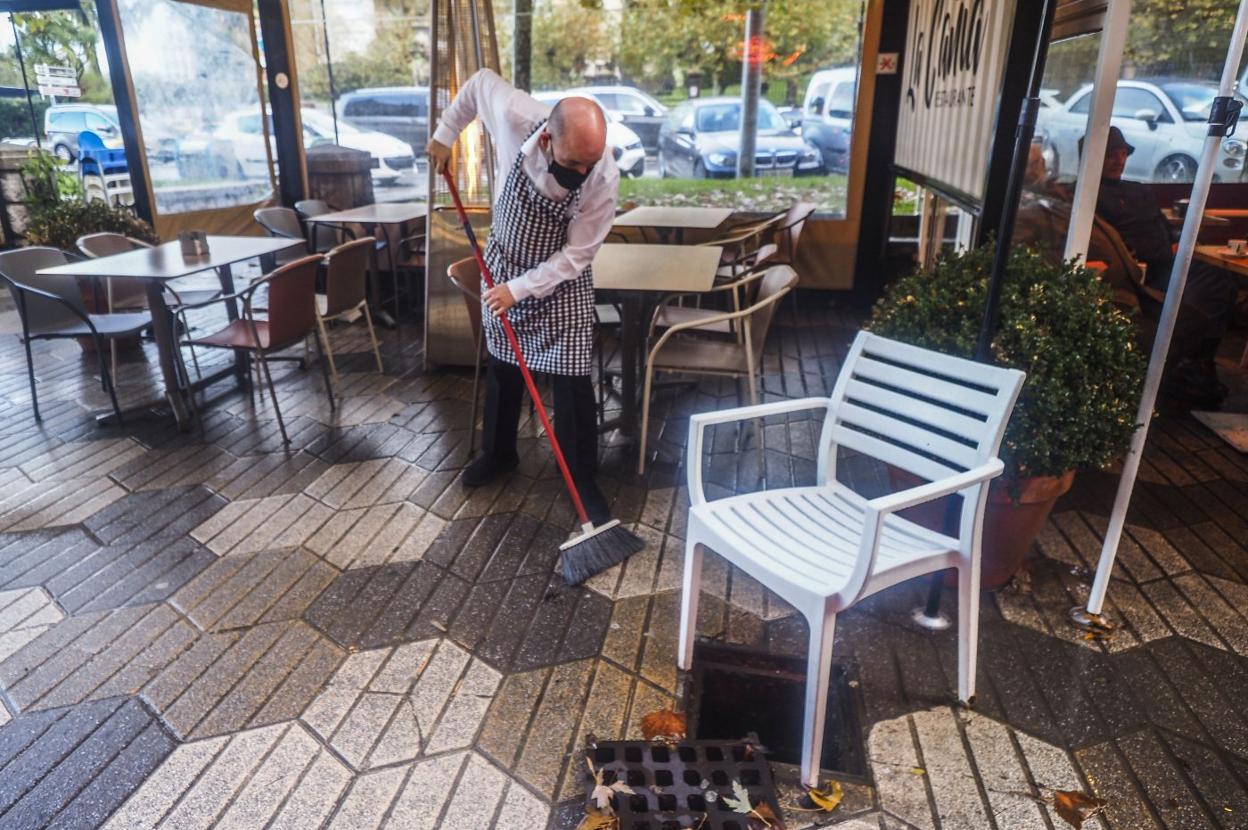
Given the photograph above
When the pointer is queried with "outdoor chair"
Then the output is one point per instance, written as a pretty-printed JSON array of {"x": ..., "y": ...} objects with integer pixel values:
[
  {"x": 824, "y": 547},
  {"x": 125, "y": 293},
  {"x": 51, "y": 307},
  {"x": 346, "y": 271},
  {"x": 282, "y": 223},
  {"x": 700, "y": 356},
  {"x": 740, "y": 291},
  {"x": 788, "y": 235},
  {"x": 291, "y": 319},
  {"x": 739, "y": 241},
  {"x": 321, "y": 236},
  {"x": 465, "y": 274}
]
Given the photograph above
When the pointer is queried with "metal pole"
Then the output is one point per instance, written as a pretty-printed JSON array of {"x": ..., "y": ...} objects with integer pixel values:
[
  {"x": 930, "y": 616},
  {"x": 329, "y": 72},
  {"x": 522, "y": 45},
  {"x": 1096, "y": 135},
  {"x": 21, "y": 61},
  {"x": 751, "y": 88},
  {"x": 1222, "y": 119}
]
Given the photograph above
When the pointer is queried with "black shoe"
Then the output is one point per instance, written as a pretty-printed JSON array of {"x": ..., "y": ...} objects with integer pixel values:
[
  {"x": 595, "y": 503},
  {"x": 485, "y": 469}
]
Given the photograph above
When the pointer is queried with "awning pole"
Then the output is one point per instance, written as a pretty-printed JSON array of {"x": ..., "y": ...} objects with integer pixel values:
[
  {"x": 1224, "y": 112},
  {"x": 1096, "y": 134}
]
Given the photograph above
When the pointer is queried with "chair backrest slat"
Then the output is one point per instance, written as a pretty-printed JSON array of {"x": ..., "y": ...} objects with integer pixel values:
[
  {"x": 924, "y": 412},
  {"x": 40, "y": 314},
  {"x": 778, "y": 279},
  {"x": 281, "y": 222},
  {"x": 292, "y": 301},
  {"x": 346, "y": 274}
]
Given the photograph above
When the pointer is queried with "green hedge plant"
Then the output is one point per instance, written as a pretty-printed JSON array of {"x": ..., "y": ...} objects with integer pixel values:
[
  {"x": 1084, "y": 365},
  {"x": 59, "y": 215}
]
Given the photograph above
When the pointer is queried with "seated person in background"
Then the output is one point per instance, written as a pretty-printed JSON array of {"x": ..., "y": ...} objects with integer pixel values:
[
  {"x": 1043, "y": 222},
  {"x": 1132, "y": 211}
]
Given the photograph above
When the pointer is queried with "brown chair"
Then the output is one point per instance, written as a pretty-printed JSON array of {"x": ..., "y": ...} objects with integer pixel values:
[
  {"x": 740, "y": 291},
  {"x": 346, "y": 271},
  {"x": 465, "y": 274},
  {"x": 700, "y": 356},
  {"x": 787, "y": 236},
  {"x": 291, "y": 306}
]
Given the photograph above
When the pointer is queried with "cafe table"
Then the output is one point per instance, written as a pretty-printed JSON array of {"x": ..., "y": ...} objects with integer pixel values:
[
  {"x": 1220, "y": 256},
  {"x": 158, "y": 265},
  {"x": 673, "y": 221},
  {"x": 371, "y": 217},
  {"x": 637, "y": 274}
]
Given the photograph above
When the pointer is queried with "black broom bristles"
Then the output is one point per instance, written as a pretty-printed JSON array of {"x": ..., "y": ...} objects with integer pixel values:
[{"x": 598, "y": 552}]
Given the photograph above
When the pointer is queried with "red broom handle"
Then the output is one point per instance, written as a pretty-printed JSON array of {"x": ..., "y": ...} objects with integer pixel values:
[{"x": 515, "y": 348}]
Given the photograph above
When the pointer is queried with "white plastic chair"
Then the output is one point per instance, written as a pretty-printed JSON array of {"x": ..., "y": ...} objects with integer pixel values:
[{"x": 823, "y": 548}]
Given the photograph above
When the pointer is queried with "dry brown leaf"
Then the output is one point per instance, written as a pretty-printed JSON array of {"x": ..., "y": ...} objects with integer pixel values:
[
  {"x": 762, "y": 818},
  {"x": 664, "y": 725},
  {"x": 596, "y": 819},
  {"x": 1077, "y": 807}
]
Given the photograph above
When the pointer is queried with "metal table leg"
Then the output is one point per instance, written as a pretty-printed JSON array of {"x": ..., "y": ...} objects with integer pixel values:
[
  {"x": 166, "y": 342},
  {"x": 242, "y": 366}
]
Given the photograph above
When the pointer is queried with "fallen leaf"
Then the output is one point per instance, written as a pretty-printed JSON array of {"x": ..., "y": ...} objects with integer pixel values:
[
  {"x": 1077, "y": 807},
  {"x": 740, "y": 798},
  {"x": 595, "y": 819},
  {"x": 829, "y": 799},
  {"x": 664, "y": 725},
  {"x": 603, "y": 793},
  {"x": 918, "y": 771},
  {"x": 762, "y": 818}
]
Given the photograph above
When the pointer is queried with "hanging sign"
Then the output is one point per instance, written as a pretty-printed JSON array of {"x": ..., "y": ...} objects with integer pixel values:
[
  {"x": 954, "y": 59},
  {"x": 60, "y": 91},
  {"x": 57, "y": 80}
]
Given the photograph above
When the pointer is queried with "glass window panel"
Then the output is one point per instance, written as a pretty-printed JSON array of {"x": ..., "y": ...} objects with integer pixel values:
[{"x": 195, "y": 83}]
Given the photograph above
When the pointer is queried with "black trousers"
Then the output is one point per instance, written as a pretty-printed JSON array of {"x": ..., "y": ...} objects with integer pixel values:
[{"x": 576, "y": 422}]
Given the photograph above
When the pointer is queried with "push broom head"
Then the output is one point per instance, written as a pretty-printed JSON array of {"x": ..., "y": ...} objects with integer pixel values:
[{"x": 595, "y": 549}]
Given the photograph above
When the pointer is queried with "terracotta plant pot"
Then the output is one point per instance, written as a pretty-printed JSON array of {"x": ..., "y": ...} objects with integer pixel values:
[{"x": 1010, "y": 526}]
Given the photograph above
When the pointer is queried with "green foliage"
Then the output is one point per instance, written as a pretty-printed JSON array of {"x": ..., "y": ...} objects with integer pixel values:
[
  {"x": 568, "y": 37},
  {"x": 60, "y": 226},
  {"x": 66, "y": 38},
  {"x": 1187, "y": 38},
  {"x": 15, "y": 117},
  {"x": 58, "y": 214},
  {"x": 1084, "y": 367},
  {"x": 46, "y": 181}
]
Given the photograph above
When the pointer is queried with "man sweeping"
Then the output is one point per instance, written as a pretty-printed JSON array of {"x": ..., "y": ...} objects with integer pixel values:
[{"x": 551, "y": 214}]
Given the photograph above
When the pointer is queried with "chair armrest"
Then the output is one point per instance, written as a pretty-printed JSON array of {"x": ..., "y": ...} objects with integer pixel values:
[
  {"x": 700, "y": 421},
  {"x": 932, "y": 490},
  {"x": 337, "y": 226},
  {"x": 47, "y": 295},
  {"x": 718, "y": 318}
]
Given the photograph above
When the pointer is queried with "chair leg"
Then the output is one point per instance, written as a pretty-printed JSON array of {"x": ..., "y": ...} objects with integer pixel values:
[
  {"x": 758, "y": 423},
  {"x": 372, "y": 333},
  {"x": 322, "y": 347},
  {"x": 645, "y": 421},
  {"x": 690, "y": 586},
  {"x": 107, "y": 380},
  {"x": 328, "y": 352},
  {"x": 185, "y": 379},
  {"x": 968, "y": 628},
  {"x": 30, "y": 371},
  {"x": 818, "y": 676},
  {"x": 476, "y": 405},
  {"x": 264, "y": 365}
]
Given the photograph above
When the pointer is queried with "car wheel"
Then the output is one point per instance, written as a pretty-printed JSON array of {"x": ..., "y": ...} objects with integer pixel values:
[
  {"x": 1176, "y": 168},
  {"x": 63, "y": 154},
  {"x": 699, "y": 169}
]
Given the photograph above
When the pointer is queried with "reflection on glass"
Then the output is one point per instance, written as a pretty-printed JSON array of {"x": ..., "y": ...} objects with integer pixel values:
[{"x": 196, "y": 88}]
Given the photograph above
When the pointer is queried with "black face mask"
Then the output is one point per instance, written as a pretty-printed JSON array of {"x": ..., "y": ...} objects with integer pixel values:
[{"x": 569, "y": 178}]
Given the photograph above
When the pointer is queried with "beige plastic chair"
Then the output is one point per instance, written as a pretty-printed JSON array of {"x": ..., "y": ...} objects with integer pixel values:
[
  {"x": 346, "y": 271},
  {"x": 741, "y": 360},
  {"x": 672, "y": 311}
]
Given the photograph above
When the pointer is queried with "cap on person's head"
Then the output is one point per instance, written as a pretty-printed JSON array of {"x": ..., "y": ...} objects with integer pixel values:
[{"x": 1117, "y": 141}]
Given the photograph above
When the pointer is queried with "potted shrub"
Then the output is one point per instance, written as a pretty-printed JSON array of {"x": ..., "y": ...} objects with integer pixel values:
[{"x": 1084, "y": 374}]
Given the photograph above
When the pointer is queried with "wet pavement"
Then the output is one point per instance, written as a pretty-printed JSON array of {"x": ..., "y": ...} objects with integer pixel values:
[{"x": 201, "y": 630}]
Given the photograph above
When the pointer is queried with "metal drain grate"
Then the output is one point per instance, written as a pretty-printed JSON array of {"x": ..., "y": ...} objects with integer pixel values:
[{"x": 667, "y": 782}]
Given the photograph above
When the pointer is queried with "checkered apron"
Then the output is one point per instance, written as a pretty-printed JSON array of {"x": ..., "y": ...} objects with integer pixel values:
[{"x": 556, "y": 331}]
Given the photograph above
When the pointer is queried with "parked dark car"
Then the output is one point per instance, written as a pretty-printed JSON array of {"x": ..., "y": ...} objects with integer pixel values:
[
  {"x": 400, "y": 111},
  {"x": 701, "y": 137}
]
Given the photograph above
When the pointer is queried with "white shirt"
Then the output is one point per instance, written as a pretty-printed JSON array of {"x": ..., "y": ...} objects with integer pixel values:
[{"x": 509, "y": 116}]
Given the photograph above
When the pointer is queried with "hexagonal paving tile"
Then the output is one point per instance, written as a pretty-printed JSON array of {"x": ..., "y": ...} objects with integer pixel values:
[
  {"x": 396, "y": 704},
  {"x": 274, "y": 776},
  {"x": 25, "y": 613}
]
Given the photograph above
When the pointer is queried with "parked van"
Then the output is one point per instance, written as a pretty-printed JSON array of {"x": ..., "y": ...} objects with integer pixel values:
[
  {"x": 400, "y": 111},
  {"x": 828, "y": 114}
]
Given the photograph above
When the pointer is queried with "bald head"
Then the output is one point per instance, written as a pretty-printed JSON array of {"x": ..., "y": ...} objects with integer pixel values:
[{"x": 577, "y": 133}]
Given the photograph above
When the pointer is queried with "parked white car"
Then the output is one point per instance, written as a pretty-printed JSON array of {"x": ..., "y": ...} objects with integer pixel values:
[
  {"x": 632, "y": 108},
  {"x": 625, "y": 146},
  {"x": 241, "y": 130},
  {"x": 828, "y": 114},
  {"x": 1165, "y": 120}
]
